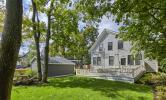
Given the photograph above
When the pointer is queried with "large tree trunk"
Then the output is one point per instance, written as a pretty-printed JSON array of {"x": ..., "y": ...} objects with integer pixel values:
[
  {"x": 46, "y": 51},
  {"x": 10, "y": 44},
  {"x": 36, "y": 34}
]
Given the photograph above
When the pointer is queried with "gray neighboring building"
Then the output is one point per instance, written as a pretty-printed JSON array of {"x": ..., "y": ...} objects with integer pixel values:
[{"x": 57, "y": 66}]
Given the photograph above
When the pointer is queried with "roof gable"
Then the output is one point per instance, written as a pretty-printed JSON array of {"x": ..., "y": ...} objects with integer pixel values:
[{"x": 101, "y": 37}]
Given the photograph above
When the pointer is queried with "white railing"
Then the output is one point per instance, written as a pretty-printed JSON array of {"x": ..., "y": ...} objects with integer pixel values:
[
  {"x": 138, "y": 71},
  {"x": 82, "y": 71},
  {"x": 131, "y": 72}
]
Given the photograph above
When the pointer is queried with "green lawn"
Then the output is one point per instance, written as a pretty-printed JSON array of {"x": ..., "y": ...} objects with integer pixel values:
[{"x": 82, "y": 88}]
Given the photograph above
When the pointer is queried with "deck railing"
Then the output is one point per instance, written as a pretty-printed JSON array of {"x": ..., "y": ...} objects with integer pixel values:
[{"x": 131, "y": 72}]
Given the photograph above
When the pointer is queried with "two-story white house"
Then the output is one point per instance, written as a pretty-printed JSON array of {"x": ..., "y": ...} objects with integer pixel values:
[{"x": 111, "y": 58}]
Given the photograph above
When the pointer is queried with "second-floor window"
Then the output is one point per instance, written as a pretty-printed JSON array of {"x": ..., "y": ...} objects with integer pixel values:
[
  {"x": 120, "y": 44},
  {"x": 101, "y": 47},
  {"x": 110, "y": 45}
]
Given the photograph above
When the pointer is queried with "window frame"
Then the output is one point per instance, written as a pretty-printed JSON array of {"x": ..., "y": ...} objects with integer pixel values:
[
  {"x": 131, "y": 60},
  {"x": 111, "y": 60},
  {"x": 101, "y": 47},
  {"x": 138, "y": 59},
  {"x": 98, "y": 61},
  {"x": 94, "y": 60},
  {"x": 120, "y": 44},
  {"x": 110, "y": 47},
  {"x": 122, "y": 61}
]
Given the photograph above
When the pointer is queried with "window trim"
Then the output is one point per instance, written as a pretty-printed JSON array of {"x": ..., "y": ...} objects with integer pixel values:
[
  {"x": 119, "y": 46},
  {"x": 121, "y": 61},
  {"x": 100, "y": 47},
  {"x": 98, "y": 64},
  {"x": 109, "y": 46},
  {"x": 112, "y": 61},
  {"x": 138, "y": 59},
  {"x": 131, "y": 60},
  {"x": 95, "y": 60}
]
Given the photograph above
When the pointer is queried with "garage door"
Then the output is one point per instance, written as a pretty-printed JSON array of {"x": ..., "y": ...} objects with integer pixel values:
[{"x": 58, "y": 70}]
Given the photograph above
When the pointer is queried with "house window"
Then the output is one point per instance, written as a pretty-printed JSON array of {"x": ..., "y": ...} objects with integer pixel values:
[
  {"x": 111, "y": 60},
  {"x": 94, "y": 61},
  {"x": 137, "y": 59},
  {"x": 120, "y": 44},
  {"x": 99, "y": 61},
  {"x": 130, "y": 60},
  {"x": 110, "y": 45},
  {"x": 101, "y": 47},
  {"x": 123, "y": 61}
]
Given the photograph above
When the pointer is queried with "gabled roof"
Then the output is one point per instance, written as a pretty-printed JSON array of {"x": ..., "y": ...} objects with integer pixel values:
[
  {"x": 60, "y": 60},
  {"x": 56, "y": 60},
  {"x": 103, "y": 34}
]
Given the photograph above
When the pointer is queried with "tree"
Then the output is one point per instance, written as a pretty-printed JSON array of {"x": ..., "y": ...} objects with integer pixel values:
[
  {"x": 46, "y": 49},
  {"x": 36, "y": 35},
  {"x": 10, "y": 44},
  {"x": 143, "y": 22},
  {"x": 65, "y": 29}
]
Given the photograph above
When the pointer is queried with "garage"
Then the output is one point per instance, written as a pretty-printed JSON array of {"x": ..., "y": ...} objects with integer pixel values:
[{"x": 57, "y": 66}]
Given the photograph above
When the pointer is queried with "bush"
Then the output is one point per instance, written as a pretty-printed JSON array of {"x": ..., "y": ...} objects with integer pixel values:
[
  {"x": 24, "y": 77},
  {"x": 152, "y": 78},
  {"x": 162, "y": 69},
  {"x": 149, "y": 78},
  {"x": 26, "y": 71},
  {"x": 160, "y": 92}
]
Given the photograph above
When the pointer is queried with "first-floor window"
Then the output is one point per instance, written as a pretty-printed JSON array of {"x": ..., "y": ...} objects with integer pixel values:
[
  {"x": 99, "y": 61},
  {"x": 111, "y": 60},
  {"x": 123, "y": 61},
  {"x": 94, "y": 61},
  {"x": 130, "y": 60},
  {"x": 138, "y": 59}
]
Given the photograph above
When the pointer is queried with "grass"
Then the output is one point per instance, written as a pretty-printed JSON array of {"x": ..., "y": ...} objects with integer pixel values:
[
  {"x": 157, "y": 81},
  {"x": 160, "y": 92},
  {"x": 82, "y": 88}
]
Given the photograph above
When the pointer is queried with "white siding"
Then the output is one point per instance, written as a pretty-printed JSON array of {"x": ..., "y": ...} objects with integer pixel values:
[{"x": 117, "y": 53}]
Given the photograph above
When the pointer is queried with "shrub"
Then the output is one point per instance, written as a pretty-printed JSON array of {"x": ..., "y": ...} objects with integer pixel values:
[
  {"x": 152, "y": 78},
  {"x": 162, "y": 69},
  {"x": 149, "y": 78}
]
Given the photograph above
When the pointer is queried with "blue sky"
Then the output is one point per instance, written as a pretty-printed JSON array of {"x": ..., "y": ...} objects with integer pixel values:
[{"x": 105, "y": 23}]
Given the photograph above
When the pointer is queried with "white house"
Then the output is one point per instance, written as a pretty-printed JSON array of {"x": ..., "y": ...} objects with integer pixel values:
[{"x": 111, "y": 58}]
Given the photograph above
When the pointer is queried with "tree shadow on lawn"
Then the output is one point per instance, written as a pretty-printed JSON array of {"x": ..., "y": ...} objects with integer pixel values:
[{"x": 108, "y": 88}]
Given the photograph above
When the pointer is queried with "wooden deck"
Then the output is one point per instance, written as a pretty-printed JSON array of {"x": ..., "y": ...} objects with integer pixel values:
[{"x": 126, "y": 74}]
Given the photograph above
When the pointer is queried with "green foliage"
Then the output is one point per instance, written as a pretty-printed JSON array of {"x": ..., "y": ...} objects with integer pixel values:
[
  {"x": 143, "y": 25},
  {"x": 161, "y": 92},
  {"x": 1, "y": 19},
  {"x": 152, "y": 78},
  {"x": 143, "y": 22},
  {"x": 162, "y": 69},
  {"x": 27, "y": 72},
  {"x": 72, "y": 88}
]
